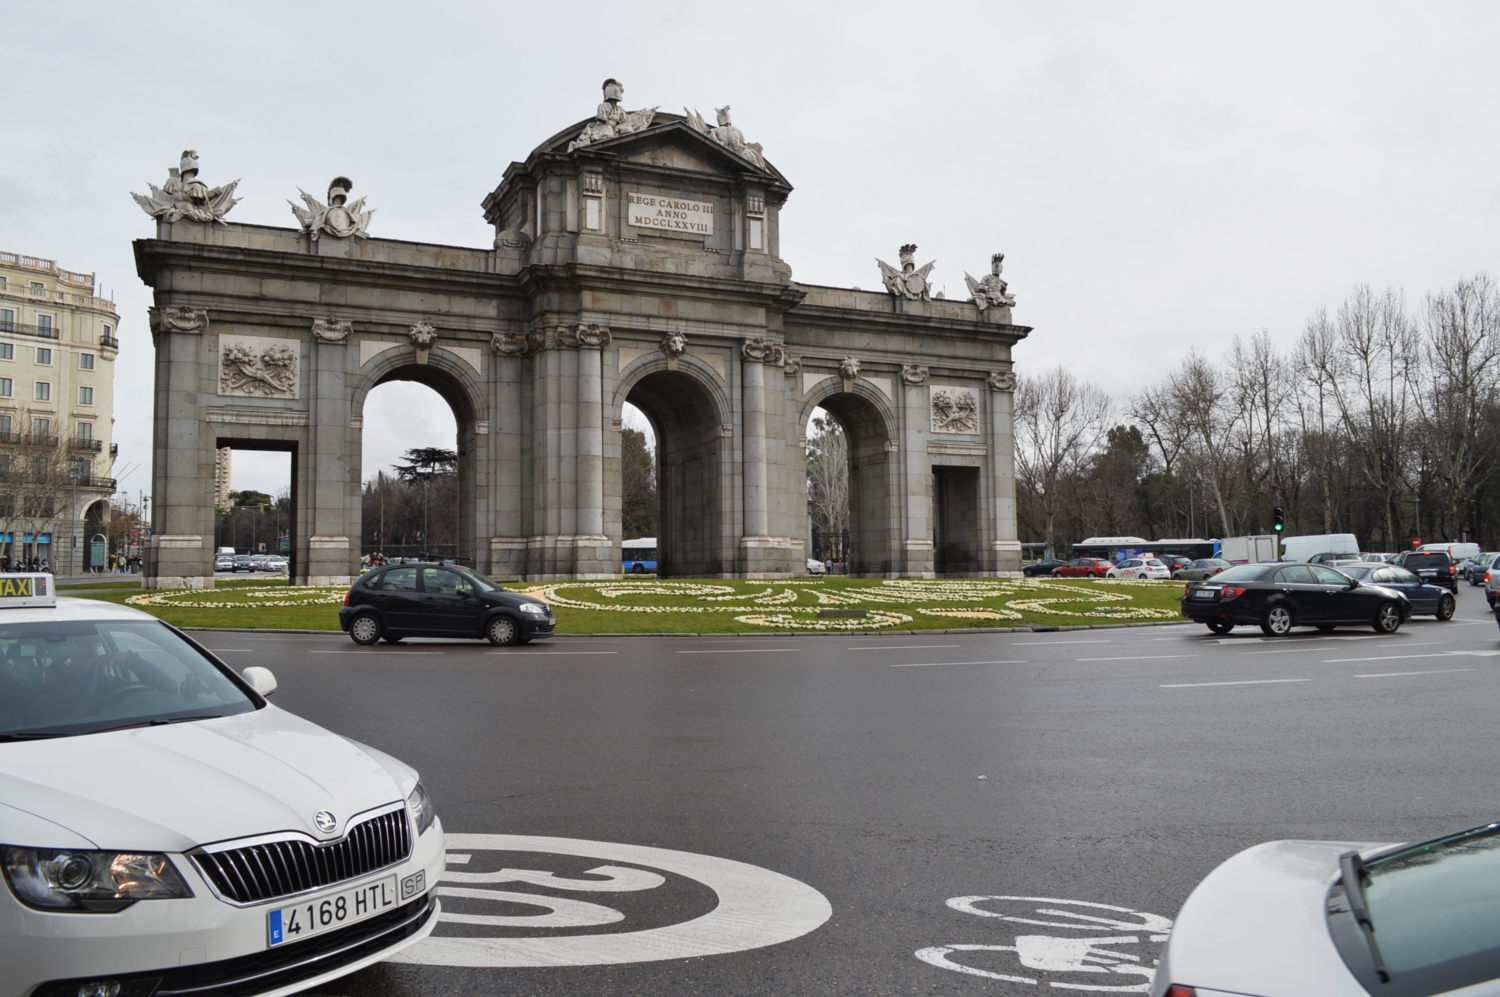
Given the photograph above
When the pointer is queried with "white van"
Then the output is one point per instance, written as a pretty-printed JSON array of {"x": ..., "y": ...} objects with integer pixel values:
[
  {"x": 1301, "y": 548},
  {"x": 1456, "y": 551}
]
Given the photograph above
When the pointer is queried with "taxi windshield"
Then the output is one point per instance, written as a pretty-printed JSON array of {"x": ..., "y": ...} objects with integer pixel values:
[{"x": 64, "y": 678}]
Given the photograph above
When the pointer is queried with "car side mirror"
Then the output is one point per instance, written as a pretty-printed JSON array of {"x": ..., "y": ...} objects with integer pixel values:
[{"x": 260, "y": 679}]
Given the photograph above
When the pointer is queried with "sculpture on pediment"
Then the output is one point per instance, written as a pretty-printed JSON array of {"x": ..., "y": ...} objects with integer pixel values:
[
  {"x": 177, "y": 318},
  {"x": 612, "y": 120},
  {"x": 422, "y": 335},
  {"x": 258, "y": 367},
  {"x": 848, "y": 368},
  {"x": 185, "y": 196},
  {"x": 727, "y": 135},
  {"x": 674, "y": 343},
  {"x": 954, "y": 410},
  {"x": 336, "y": 217},
  {"x": 909, "y": 282},
  {"x": 992, "y": 289},
  {"x": 1002, "y": 380},
  {"x": 914, "y": 373},
  {"x": 331, "y": 330}
]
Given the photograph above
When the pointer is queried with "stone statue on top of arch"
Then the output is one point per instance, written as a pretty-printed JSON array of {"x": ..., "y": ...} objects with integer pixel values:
[{"x": 611, "y": 120}]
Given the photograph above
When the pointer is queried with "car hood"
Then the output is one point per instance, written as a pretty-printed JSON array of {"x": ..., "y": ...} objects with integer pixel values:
[
  {"x": 1267, "y": 899},
  {"x": 173, "y": 787}
]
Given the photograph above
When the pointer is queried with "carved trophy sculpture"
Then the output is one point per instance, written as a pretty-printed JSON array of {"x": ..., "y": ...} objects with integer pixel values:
[
  {"x": 992, "y": 289},
  {"x": 185, "y": 196},
  {"x": 612, "y": 120},
  {"x": 908, "y": 282},
  {"x": 727, "y": 135},
  {"x": 338, "y": 219}
]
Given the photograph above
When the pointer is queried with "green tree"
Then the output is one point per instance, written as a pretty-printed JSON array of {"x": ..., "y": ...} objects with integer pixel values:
[{"x": 639, "y": 506}]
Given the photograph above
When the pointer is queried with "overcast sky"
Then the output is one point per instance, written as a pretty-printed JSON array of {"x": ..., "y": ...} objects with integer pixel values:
[{"x": 1159, "y": 175}]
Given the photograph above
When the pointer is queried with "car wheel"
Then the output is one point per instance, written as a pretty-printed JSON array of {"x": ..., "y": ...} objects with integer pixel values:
[
  {"x": 365, "y": 629},
  {"x": 1325, "y": 627},
  {"x": 639, "y": 569},
  {"x": 1221, "y": 626},
  {"x": 502, "y": 631},
  {"x": 1387, "y": 618},
  {"x": 1446, "y": 607},
  {"x": 1278, "y": 621}
]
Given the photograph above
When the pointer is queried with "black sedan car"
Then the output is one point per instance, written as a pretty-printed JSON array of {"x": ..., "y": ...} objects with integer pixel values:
[
  {"x": 1425, "y": 599},
  {"x": 1278, "y": 597},
  {"x": 1042, "y": 568},
  {"x": 440, "y": 600}
]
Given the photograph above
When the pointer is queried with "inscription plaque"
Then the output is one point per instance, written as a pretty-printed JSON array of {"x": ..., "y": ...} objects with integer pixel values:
[{"x": 659, "y": 213}]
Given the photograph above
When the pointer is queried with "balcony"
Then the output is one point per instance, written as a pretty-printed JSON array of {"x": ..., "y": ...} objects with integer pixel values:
[
  {"x": 45, "y": 441},
  {"x": 114, "y": 449},
  {"x": 86, "y": 444},
  {"x": 109, "y": 342},
  {"x": 26, "y": 329}
]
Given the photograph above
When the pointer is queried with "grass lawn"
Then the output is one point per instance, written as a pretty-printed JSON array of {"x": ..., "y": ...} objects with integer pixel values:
[{"x": 647, "y": 605}]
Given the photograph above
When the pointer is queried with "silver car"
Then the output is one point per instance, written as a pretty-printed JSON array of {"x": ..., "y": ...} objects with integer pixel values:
[
  {"x": 1342, "y": 919},
  {"x": 1196, "y": 571},
  {"x": 1491, "y": 578}
]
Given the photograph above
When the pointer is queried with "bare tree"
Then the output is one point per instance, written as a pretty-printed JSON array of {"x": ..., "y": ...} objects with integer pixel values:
[
  {"x": 1196, "y": 390},
  {"x": 1314, "y": 363},
  {"x": 828, "y": 475},
  {"x": 1059, "y": 422}
]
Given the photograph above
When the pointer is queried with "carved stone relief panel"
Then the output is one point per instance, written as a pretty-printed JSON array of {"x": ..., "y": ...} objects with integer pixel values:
[
  {"x": 259, "y": 367},
  {"x": 954, "y": 410}
]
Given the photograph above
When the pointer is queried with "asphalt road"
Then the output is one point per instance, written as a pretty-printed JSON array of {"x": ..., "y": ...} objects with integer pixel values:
[{"x": 892, "y": 775}]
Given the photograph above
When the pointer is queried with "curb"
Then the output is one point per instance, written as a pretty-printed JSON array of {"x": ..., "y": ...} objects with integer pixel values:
[{"x": 1039, "y": 628}]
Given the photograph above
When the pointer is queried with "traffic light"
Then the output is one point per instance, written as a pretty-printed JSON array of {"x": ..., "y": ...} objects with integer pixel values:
[{"x": 1278, "y": 519}]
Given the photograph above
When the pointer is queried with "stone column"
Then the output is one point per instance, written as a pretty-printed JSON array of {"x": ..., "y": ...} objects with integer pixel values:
[
  {"x": 180, "y": 551},
  {"x": 590, "y": 442},
  {"x": 918, "y": 513},
  {"x": 754, "y": 448},
  {"x": 332, "y": 538},
  {"x": 1006, "y": 546}
]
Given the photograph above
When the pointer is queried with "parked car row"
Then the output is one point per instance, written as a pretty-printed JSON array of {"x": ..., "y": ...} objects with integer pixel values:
[{"x": 250, "y": 562}]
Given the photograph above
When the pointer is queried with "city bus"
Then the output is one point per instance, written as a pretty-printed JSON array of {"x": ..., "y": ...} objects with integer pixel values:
[
  {"x": 1118, "y": 548},
  {"x": 638, "y": 557}
]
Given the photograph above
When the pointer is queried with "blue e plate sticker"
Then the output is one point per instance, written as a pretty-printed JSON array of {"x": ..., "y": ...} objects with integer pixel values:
[{"x": 276, "y": 936}]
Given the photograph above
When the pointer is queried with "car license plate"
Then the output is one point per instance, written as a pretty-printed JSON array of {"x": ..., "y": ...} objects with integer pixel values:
[
  {"x": 317, "y": 915},
  {"x": 1427, "y": 574},
  {"x": 1204, "y": 594}
]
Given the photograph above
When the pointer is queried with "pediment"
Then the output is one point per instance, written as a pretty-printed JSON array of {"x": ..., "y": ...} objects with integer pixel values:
[{"x": 672, "y": 143}]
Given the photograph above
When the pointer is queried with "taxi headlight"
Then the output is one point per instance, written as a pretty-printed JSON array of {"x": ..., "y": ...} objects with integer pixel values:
[
  {"x": 534, "y": 608},
  {"x": 421, "y": 808},
  {"x": 97, "y": 882}
]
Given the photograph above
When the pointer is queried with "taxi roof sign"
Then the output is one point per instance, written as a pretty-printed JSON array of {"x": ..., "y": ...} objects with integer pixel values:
[{"x": 27, "y": 591}]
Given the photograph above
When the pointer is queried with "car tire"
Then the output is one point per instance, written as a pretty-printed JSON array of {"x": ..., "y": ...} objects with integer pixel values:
[
  {"x": 502, "y": 631},
  {"x": 639, "y": 569},
  {"x": 1387, "y": 618},
  {"x": 1221, "y": 626},
  {"x": 365, "y": 629},
  {"x": 389, "y": 639},
  {"x": 1278, "y": 621},
  {"x": 1326, "y": 627},
  {"x": 1446, "y": 607}
]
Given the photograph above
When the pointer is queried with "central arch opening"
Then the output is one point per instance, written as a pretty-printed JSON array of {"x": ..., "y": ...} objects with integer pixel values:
[
  {"x": 870, "y": 521},
  {"x": 418, "y": 493},
  {"x": 689, "y": 452}
]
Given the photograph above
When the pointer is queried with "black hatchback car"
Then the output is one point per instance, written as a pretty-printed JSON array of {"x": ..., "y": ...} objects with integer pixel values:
[
  {"x": 1432, "y": 566},
  {"x": 440, "y": 600},
  {"x": 1278, "y": 597}
]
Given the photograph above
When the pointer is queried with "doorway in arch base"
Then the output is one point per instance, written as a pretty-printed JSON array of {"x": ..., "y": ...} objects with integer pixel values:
[
  {"x": 690, "y": 484},
  {"x": 872, "y": 524},
  {"x": 957, "y": 531}
]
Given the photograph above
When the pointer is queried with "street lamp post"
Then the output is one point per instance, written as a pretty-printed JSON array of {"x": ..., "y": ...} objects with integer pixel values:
[{"x": 73, "y": 526}]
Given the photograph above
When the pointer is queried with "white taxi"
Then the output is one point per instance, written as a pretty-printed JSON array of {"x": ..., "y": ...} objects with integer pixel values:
[
  {"x": 164, "y": 830},
  {"x": 1140, "y": 567}
]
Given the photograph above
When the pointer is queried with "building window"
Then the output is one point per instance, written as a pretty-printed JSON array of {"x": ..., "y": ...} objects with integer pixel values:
[
  {"x": 7, "y": 351},
  {"x": 85, "y": 432},
  {"x": 85, "y": 395},
  {"x": 3, "y": 283},
  {"x": 7, "y": 426},
  {"x": 43, "y": 355},
  {"x": 8, "y": 319},
  {"x": 43, "y": 391},
  {"x": 41, "y": 426},
  {"x": 44, "y": 325},
  {"x": 86, "y": 360},
  {"x": 7, "y": 388},
  {"x": 37, "y": 287}
]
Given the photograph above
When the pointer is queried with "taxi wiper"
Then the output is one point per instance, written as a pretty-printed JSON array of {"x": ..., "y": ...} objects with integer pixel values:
[
  {"x": 1351, "y": 867},
  {"x": 31, "y": 735},
  {"x": 158, "y": 722}
]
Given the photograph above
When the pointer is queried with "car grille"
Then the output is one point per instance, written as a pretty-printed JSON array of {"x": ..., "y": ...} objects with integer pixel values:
[{"x": 266, "y": 869}]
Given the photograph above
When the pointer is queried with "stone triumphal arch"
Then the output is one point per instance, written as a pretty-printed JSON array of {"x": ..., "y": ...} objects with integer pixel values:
[{"x": 637, "y": 257}]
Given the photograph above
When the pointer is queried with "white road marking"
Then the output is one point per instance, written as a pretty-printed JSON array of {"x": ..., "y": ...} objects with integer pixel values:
[
  {"x": 374, "y": 652},
  {"x": 232, "y": 650},
  {"x": 1138, "y": 657},
  {"x": 745, "y": 650},
  {"x": 533, "y": 653},
  {"x": 1391, "y": 675},
  {"x": 899, "y": 647},
  {"x": 1195, "y": 685},
  {"x": 1388, "y": 657},
  {"x": 939, "y": 664},
  {"x": 756, "y": 907},
  {"x": 1027, "y": 643}
]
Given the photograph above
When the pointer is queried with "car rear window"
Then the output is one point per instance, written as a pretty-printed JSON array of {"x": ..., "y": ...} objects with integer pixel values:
[
  {"x": 1438, "y": 901},
  {"x": 1416, "y": 562},
  {"x": 1240, "y": 573}
]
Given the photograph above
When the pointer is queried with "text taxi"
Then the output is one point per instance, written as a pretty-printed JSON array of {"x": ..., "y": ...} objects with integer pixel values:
[{"x": 166, "y": 831}]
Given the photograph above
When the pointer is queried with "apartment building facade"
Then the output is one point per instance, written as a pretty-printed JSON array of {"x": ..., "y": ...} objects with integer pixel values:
[{"x": 58, "y": 344}]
